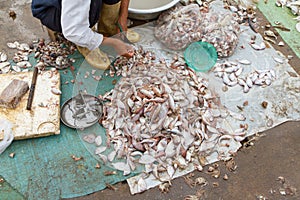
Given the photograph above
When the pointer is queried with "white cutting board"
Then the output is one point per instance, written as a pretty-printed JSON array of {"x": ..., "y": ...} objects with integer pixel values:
[{"x": 44, "y": 117}]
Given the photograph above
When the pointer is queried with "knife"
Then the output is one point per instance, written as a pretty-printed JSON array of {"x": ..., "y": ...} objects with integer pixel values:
[
  {"x": 32, "y": 88},
  {"x": 123, "y": 34}
]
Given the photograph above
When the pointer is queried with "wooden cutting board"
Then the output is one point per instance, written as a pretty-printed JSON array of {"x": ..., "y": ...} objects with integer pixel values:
[{"x": 44, "y": 117}]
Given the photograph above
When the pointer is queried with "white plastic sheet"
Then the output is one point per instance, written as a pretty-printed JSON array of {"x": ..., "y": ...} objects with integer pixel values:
[
  {"x": 282, "y": 96},
  {"x": 6, "y": 129}
]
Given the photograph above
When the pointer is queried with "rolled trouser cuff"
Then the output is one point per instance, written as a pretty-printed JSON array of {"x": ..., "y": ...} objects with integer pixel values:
[{"x": 111, "y": 2}]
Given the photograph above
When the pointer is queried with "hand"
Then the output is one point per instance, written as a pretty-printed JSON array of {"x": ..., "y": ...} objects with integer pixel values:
[
  {"x": 123, "y": 23},
  {"x": 120, "y": 47},
  {"x": 123, "y": 49}
]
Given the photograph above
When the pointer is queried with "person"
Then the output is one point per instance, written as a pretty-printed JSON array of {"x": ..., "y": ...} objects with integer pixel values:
[{"x": 75, "y": 19}]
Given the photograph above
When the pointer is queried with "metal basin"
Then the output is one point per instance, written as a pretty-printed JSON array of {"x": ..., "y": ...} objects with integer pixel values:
[
  {"x": 148, "y": 9},
  {"x": 81, "y": 111}
]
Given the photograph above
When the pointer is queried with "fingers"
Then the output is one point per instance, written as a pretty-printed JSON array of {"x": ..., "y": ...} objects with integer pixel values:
[
  {"x": 120, "y": 47},
  {"x": 129, "y": 53}
]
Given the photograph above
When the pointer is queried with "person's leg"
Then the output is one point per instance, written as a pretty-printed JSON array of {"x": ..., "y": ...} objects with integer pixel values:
[{"x": 109, "y": 16}]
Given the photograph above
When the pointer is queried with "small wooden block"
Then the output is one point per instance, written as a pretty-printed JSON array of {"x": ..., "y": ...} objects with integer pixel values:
[{"x": 12, "y": 94}]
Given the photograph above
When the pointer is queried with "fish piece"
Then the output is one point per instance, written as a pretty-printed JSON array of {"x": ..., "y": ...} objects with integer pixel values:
[
  {"x": 171, "y": 103},
  {"x": 89, "y": 138},
  {"x": 24, "y": 64},
  {"x": 23, "y": 47},
  {"x": 11, "y": 45},
  {"x": 170, "y": 170},
  {"x": 246, "y": 88},
  {"x": 239, "y": 138},
  {"x": 266, "y": 38},
  {"x": 100, "y": 149},
  {"x": 141, "y": 185},
  {"x": 279, "y": 60},
  {"x": 237, "y": 116},
  {"x": 249, "y": 82},
  {"x": 98, "y": 140},
  {"x": 270, "y": 33},
  {"x": 268, "y": 81},
  {"x": 273, "y": 73},
  {"x": 244, "y": 62},
  {"x": 122, "y": 167},
  {"x": 239, "y": 71},
  {"x": 281, "y": 43},
  {"x": 226, "y": 79},
  {"x": 253, "y": 77},
  {"x": 4, "y": 64},
  {"x": 16, "y": 68},
  {"x": 241, "y": 82},
  {"x": 231, "y": 69},
  {"x": 298, "y": 27},
  {"x": 259, "y": 47},
  {"x": 259, "y": 81},
  {"x": 130, "y": 103},
  {"x": 147, "y": 93},
  {"x": 146, "y": 159},
  {"x": 111, "y": 156},
  {"x": 3, "y": 57},
  {"x": 170, "y": 149},
  {"x": 56, "y": 91}
]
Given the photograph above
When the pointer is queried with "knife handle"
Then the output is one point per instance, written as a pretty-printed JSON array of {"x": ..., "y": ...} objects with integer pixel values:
[{"x": 32, "y": 88}]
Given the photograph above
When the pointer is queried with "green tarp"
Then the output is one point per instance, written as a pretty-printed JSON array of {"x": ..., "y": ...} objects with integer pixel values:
[
  {"x": 285, "y": 17},
  {"x": 43, "y": 168}
]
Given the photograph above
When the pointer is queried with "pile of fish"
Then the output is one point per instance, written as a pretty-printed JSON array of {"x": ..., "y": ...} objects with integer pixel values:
[
  {"x": 221, "y": 30},
  {"x": 182, "y": 25},
  {"x": 231, "y": 73},
  {"x": 53, "y": 54},
  {"x": 177, "y": 27},
  {"x": 161, "y": 116},
  {"x": 243, "y": 13},
  {"x": 20, "y": 59}
]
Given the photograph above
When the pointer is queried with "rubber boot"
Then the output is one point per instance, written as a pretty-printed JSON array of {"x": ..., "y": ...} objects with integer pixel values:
[
  {"x": 95, "y": 58},
  {"x": 109, "y": 17}
]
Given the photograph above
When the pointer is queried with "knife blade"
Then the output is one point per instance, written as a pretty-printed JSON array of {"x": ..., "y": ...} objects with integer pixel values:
[{"x": 123, "y": 36}]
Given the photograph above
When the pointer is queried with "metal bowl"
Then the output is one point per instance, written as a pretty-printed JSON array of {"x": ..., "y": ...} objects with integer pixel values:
[
  {"x": 148, "y": 9},
  {"x": 81, "y": 111}
]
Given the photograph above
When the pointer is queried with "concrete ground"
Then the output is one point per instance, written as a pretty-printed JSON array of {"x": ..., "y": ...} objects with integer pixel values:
[{"x": 267, "y": 167}]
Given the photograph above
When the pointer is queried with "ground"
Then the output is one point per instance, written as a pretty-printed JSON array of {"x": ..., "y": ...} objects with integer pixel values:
[{"x": 264, "y": 165}]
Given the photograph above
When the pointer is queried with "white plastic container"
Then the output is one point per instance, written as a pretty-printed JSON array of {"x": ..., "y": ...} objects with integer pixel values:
[{"x": 148, "y": 9}]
